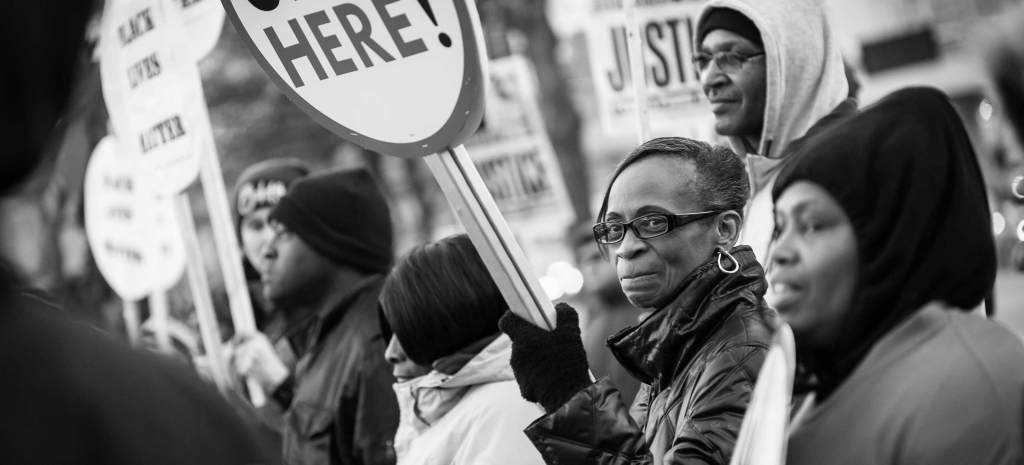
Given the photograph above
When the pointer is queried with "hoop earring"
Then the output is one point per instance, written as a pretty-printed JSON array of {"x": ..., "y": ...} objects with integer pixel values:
[{"x": 736, "y": 264}]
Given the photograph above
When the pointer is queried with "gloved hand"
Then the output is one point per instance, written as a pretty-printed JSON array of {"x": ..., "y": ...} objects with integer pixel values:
[
  {"x": 254, "y": 357},
  {"x": 550, "y": 366}
]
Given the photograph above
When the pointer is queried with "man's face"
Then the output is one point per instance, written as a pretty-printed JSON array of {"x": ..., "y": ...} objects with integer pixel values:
[
  {"x": 294, "y": 272},
  {"x": 737, "y": 98},
  {"x": 255, "y": 234},
  {"x": 651, "y": 270}
]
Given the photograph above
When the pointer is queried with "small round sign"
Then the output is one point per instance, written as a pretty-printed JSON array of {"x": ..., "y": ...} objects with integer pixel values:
[
  {"x": 133, "y": 234},
  {"x": 152, "y": 89}
]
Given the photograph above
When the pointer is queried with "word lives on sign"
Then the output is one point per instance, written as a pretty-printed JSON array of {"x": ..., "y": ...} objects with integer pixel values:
[
  {"x": 133, "y": 234},
  {"x": 152, "y": 89},
  {"x": 400, "y": 77},
  {"x": 513, "y": 153},
  {"x": 673, "y": 92}
]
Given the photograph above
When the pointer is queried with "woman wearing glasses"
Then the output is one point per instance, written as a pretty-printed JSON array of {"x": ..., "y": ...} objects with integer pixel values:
[{"x": 668, "y": 223}]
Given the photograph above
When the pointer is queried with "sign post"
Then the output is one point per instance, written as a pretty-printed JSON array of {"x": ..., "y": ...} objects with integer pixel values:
[{"x": 403, "y": 78}]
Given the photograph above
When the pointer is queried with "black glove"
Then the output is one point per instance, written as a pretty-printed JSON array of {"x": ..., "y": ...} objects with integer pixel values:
[{"x": 550, "y": 366}]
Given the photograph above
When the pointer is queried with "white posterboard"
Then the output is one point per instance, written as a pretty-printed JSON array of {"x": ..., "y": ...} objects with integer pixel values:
[
  {"x": 513, "y": 153},
  {"x": 674, "y": 100}
]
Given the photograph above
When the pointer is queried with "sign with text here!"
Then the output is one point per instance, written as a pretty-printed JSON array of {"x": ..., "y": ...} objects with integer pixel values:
[
  {"x": 133, "y": 235},
  {"x": 401, "y": 77},
  {"x": 152, "y": 90},
  {"x": 674, "y": 97}
]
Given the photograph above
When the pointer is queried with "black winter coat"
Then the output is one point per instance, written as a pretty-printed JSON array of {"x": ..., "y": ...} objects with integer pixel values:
[
  {"x": 698, "y": 358},
  {"x": 343, "y": 409}
]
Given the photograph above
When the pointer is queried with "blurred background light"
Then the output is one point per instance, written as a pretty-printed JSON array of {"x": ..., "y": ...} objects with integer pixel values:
[{"x": 998, "y": 223}]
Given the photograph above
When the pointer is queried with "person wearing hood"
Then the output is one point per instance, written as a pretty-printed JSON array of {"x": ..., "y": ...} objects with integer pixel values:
[
  {"x": 773, "y": 73},
  {"x": 457, "y": 397},
  {"x": 669, "y": 224},
  {"x": 882, "y": 243}
]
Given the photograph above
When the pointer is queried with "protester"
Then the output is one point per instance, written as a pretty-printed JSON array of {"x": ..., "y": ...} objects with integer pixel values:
[
  {"x": 605, "y": 311},
  {"x": 257, "y": 190},
  {"x": 74, "y": 395},
  {"x": 698, "y": 353},
  {"x": 458, "y": 399},
  {"x": 777, "y": 75},
  {"x": 324, "y": 269},
  {"x": 882, "y": 244}
]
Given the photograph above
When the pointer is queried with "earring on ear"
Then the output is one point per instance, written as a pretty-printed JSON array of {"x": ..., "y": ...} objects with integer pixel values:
[{"x": 724, "y": 253}]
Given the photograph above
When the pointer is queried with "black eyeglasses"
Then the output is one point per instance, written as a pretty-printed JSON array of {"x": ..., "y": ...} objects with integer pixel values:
[
  {"x": 647, "y": 226},
  {"x": 728, "y": 62}
]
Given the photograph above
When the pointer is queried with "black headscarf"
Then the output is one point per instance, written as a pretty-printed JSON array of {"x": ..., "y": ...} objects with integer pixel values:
[{"x": 906, "y": 175}]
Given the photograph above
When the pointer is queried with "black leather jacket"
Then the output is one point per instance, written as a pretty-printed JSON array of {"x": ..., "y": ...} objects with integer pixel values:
[{"x": 698, "y": 358}]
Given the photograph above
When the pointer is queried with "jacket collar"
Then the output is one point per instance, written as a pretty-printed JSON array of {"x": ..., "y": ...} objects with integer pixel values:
[
  {"x": 308, "y": 332},
  {"x": 671, "y": 337}
]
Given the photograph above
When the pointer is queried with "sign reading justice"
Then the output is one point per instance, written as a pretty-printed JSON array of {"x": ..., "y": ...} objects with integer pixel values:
[{"x": 397, "y": 76}]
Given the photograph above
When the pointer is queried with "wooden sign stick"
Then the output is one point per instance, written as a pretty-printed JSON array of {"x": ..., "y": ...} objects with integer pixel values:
[{"x": 201, "y": 297}]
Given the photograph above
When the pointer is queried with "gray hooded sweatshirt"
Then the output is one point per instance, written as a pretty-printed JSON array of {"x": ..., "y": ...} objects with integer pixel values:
[{"x": 806, "y": 81}]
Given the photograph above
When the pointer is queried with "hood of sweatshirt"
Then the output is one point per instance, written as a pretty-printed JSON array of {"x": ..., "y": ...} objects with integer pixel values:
[{"x": 804, "y": 68}]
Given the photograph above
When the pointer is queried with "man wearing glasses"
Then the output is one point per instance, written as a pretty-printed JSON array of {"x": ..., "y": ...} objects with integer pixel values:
[
  {"x": 773, "y": 72},
  {"x": 669, "y": 224},
  {"x": 324, "y": 268}
]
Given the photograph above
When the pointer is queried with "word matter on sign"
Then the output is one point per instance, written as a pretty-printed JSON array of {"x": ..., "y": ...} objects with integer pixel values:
[{"x": 397, "y": 76}]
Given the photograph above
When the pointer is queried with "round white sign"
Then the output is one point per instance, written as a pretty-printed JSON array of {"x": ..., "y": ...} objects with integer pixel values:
[
  {"x": 152, "y": 89},
  {"x": 133, "y": 235},
  {"x": 401, "y": 77}
]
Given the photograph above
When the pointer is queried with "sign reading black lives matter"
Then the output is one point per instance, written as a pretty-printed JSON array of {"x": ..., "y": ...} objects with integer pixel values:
[
  {"x": 152, "y": 90},
  {"x": 401, "y": 77}
]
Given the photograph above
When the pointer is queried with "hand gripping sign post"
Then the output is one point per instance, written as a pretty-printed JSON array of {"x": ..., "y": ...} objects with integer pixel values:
[{"x": 403, "y": 78}]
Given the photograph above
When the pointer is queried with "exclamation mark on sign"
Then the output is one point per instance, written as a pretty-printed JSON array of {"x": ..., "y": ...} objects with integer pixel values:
[{"x": 445, "y": 40}]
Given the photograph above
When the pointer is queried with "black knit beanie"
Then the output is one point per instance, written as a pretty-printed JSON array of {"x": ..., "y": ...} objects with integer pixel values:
[
  {"x": 263, "y": 184},
  {"x": 730, "y": 20},
  {"x": 342, "y": 215}
]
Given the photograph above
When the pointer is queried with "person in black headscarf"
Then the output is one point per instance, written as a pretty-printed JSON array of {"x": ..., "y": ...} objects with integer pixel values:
[{"x": 881, "y": 244}]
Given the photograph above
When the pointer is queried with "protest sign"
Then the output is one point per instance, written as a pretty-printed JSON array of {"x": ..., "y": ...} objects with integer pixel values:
[
  {"x": 401, "y": 77},
  {"x": 513, "y": 153},
  {"x": 132, "y": 234},
  {"x": 151, "y": 85},
  {"x": 673, "y": 94}
]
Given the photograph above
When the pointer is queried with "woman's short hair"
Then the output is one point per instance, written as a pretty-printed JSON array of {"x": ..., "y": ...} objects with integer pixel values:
[
  {"x": 440, "y": 298},
  {"x": 721, "y": 174}
]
